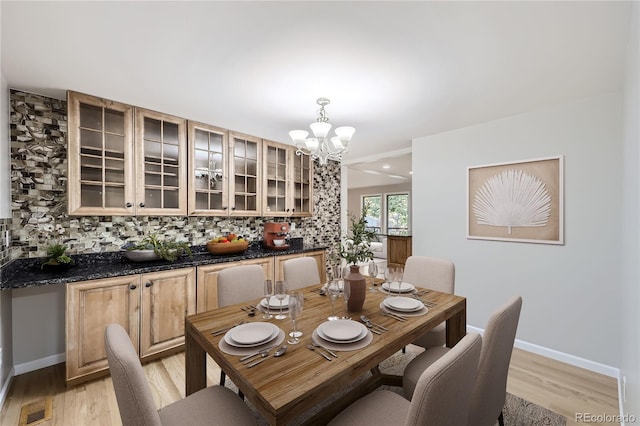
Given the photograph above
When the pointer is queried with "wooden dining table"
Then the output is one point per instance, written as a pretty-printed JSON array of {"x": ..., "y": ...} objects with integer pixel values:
[{"x": 283, "y": 388}]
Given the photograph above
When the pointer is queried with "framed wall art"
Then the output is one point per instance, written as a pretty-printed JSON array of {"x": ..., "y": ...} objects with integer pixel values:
[{"x": 519, "y": 201}]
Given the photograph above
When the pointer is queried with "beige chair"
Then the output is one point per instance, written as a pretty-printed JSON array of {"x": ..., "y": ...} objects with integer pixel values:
[
  {"x": 239, "y": 284},
  {"x": 441, "y": 397},
  {"x": 436, "y": 274},
  {"x": 300, "y": 272},
  {"x": 491, "y": 386},
  {"x": 212, "y": 405}
]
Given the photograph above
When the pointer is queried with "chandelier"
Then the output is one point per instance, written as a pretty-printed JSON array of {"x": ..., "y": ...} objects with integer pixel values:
[{"x": 321, "y": 146}]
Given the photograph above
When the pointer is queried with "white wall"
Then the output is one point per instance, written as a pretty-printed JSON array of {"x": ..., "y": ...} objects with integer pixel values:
[
  {"x": 630, "y": 367},
  {"x": 572, "y": 292}
]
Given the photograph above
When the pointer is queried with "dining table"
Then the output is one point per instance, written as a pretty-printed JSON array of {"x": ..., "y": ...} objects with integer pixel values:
[{"x": 286, "y": 387}]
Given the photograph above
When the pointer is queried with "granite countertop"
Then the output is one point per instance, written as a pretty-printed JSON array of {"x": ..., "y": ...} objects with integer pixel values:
[{"x": 27, "y": 273}]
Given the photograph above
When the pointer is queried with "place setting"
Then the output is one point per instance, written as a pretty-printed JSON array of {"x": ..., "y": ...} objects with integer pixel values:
[
  {"x": 341, "y": 335},
  {"x": 400, "y": 307},
  {"x": 250, "y": 338}
]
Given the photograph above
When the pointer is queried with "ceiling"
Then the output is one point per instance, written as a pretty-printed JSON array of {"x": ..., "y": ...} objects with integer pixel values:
[{"x": 393, "y": 70}]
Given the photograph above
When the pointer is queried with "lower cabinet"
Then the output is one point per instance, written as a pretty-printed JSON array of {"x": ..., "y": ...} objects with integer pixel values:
[
  {"x": 319, "y": 256},
  {"x": 208, "y": 280},
  {"x": 151, "y": 307}
]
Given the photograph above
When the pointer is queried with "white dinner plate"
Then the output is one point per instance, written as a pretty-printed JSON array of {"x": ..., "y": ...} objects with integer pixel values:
[
  {"x": 403, "y": 304},
  {"x": 394, "y": 287},
  {"x": 251, "y": 334},
  {"x": 274, "y": 303},
  {"x": 364, "y": 334},
  {"x": 342, "y": 330}
]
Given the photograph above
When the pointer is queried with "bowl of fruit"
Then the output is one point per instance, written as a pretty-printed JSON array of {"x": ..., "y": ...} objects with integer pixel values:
[{"x": 230, "y": 244}]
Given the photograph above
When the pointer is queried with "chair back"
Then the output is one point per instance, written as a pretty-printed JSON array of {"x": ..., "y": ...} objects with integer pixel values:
[
  {"x": 430, "y": 272},
  {"x": 239, "y": 284},
  {"x": 497, "y": 344},
  {"x": 135, "y": 401},
  {"x": 300, "y": 272},
  {"x": 443, "y": 391}
]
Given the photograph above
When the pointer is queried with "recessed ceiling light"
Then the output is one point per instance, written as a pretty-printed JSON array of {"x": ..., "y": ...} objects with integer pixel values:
[
  {"x": 386, "y": 166},
  {"x": 411, "y": 172}
]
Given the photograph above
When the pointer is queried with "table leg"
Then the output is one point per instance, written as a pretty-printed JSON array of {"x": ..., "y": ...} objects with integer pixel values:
[
  {"x": 195, "y": 360},
  {"x": 457, "y": 326}
]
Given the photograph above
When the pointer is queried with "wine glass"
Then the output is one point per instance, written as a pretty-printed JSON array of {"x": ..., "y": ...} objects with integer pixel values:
[
  {"x": 389, "y": 275},
  {"x": 268, "y": 292},
  {"x": 299, "y": 308},
  {"x": 281, "y": 293},
  {"x": 334, "y": 291},
  {"x": 294, "y": 311},
  {"x": 373, "y": 273},
  {"x": 346, "y": 293},
  {"x": 399, "y": 273}
]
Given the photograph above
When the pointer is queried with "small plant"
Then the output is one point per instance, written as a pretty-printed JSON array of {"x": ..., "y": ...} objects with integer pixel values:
[
  {"x": 56, "y": 256},
  {"x": 357, "y": 245},
  {"x": 167, "y": 250}
]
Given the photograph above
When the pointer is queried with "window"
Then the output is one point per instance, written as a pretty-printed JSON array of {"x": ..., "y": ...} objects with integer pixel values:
[
  {"x": 374, "y": 212},
  {"x": 388, "y": 214},
  {"x": 397, "y": 214}
]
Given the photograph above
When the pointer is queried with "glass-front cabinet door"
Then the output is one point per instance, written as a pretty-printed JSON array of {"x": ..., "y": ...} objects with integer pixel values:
[
  {"x": 161, "y": 169},
  {"x": 244, "y": 191},
  {"x": 100, "y": 156},
  {"x": 276, "y": 188},
  {"x": 302, "y": 185},
  {"x": 208, "y": 170}
]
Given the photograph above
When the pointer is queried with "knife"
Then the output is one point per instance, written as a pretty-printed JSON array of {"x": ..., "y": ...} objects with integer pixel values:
[{"x": 244, "y": 358}]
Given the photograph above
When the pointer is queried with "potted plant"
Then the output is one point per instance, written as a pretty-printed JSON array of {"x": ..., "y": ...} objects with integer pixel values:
[
  {"x": 357, "y": 248},
  {"x": 153, "y": 248},
  {"x": 56, "y": 257}
]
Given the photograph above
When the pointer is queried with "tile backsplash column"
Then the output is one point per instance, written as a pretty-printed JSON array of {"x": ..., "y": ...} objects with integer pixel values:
[
  {"x": 4, "y": 248},
  {"x": 39, "y": 197}
]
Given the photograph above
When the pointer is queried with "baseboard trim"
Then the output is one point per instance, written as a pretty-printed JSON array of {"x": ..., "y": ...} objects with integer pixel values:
[
  {"x": 5, "y": 387},
  {"x": 38, "y": 364},
  {"x": 561, "y": 356}
]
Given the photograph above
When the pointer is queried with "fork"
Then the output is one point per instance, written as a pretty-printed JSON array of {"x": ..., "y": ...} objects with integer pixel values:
[
  {"x": 225, "y": 329},
  {"x": 394, "y": 316},
  {"x": 313, "y": 348},
  {"x": 318, "y": 345}
]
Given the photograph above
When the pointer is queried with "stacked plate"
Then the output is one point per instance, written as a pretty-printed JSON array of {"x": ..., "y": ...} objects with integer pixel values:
[
  {"x": 252, "y": 334},
  {"x": 342, "y": 331},
  {"x": 401, "y": 304},
  {"x": 396, "y": 287},
  {"x": 274, "y": 304}
]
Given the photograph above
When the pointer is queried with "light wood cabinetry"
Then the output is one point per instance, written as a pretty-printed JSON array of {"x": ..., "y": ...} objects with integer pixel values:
[
  {"x": 287, "y": 186},
  {"x": 151, "y": 307},
  {"x": 319, "y": 257},
  {"x": 398, "y": 250},
  {"x": 208, "y": 280},
  {"x": 244, "y": 162},
  {"x": 124, "y": 160}
]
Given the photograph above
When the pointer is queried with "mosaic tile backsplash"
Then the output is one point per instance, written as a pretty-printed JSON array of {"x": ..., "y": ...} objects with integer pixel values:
[
  {"x": 39, "y": 197},
  {"x": 4, "y": 248}
]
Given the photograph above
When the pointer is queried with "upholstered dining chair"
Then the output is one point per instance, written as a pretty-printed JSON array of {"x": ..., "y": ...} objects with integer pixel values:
[
  {"x": 300, "y": 272},
  {"x": 437, "y": 274},
  {"x": 441, "y": 397},
  {"x": 239, "y": 284},
  {"x": 490, "y": 389},
  {"x": 213, "y": 405}
]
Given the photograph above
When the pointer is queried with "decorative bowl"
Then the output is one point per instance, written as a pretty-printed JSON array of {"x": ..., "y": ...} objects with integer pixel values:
[
  {"x": 227, "y": 248},
  {"x": 141, "y": 255}
]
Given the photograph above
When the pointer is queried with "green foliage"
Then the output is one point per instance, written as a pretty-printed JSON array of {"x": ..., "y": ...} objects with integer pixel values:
[
  {"x": 56, "y": 255},
  {"x": 167, "y": 250},
  {"x": 357, "y": 246}
]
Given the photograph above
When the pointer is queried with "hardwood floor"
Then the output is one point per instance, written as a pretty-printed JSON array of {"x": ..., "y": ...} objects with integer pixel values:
[{"x": 560, "y": 387}]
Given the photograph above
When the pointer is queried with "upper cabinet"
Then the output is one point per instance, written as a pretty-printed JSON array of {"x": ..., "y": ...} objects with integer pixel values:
[
  {"x": 245, "y": 157},
  {"x": 287, "y": 181},
  {"x": 100, "y": 156},
  {"x": 116, "y": 170}
]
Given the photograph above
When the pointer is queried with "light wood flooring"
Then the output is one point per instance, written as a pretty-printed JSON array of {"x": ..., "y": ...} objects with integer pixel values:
[{"x": 557, "y": 386}]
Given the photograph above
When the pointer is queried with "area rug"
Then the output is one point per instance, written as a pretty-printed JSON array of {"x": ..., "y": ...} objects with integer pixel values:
[{"x": 517, "y": 411}]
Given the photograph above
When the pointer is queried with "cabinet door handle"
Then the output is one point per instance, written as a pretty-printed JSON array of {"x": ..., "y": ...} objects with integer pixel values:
[
  {"x": 293, "y": 210},
  {"x": 224, "y": 207},
  {"x": 129, "y": 205},
  {"x": 133, "y": 287},
  {"x": 233, "y": 208},
  {"x": 149, "y": 284},
  {"x": 141, "y": 204}
]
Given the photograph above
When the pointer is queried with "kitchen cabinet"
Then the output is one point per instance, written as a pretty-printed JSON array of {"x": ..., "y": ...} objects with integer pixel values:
[
  {"x": 398, "y": 250},
  {"x": 287, "y": 182},
  {"x": 208, "y": 280},
  {"x": 245, "y": 157},
  {"x": 319, "y": 257},
  {"x": 124, "y": 160},
  {"x": 151, "y": 307}
]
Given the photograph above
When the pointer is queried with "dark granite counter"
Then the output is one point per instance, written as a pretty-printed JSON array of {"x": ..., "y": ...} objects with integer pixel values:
[{"x": 27, "y": 273}]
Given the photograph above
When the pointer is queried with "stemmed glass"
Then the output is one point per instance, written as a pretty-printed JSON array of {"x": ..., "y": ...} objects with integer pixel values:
[
  {"x": 281, "y": 293},
  {"x": 334, "y": 291},
  {"x": 299, "y": 297},
  {"x": 389, "y": 275},
  {"x": 268, "y": 292},
  {"x": 373, "y": 273},
  {"x": 399, "y": 273},
  {"x": 294, "y": 311},
  {"x": 346, "y": 293}
]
